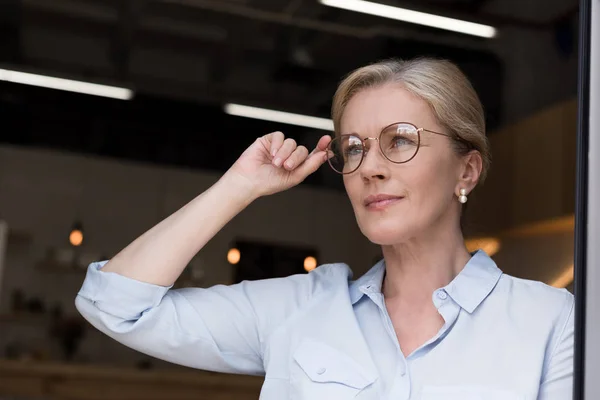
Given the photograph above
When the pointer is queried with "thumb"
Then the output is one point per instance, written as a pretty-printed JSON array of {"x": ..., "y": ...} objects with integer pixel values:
[{"x": 310, "y": 165}]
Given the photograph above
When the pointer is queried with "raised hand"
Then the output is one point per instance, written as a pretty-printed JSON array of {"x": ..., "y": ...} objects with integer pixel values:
[{"x": 273, "y": 163}]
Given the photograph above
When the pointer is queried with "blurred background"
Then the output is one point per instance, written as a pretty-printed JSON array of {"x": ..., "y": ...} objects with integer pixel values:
[{"x": 181, "y": 88}]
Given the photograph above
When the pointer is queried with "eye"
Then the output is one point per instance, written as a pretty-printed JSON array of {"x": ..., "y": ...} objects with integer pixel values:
[
  {"x": 399, "y": 141},
  {"x": 400, "y": 136},
  {"x": 352, "y": 150},
  {"x": 402, "y": 140}
]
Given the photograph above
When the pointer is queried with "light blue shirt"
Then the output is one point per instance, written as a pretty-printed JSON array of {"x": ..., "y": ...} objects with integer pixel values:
[{"x": 323, "y": 336}]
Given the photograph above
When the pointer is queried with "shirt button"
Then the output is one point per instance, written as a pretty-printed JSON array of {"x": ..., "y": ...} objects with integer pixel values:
[
  {"x": 321, "y": 371},
  {"x": 442, "y": 295}
]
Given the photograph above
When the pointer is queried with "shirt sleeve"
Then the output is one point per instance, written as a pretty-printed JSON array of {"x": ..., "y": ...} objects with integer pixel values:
[
  {"x": 222, "y": 328},
  {"x": 557, "y": 380}
]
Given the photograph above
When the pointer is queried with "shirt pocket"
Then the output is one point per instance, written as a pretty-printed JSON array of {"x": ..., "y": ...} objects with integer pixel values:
[
  {"x": 323, "y": 372},
  {"x": 468, "y": 392}
]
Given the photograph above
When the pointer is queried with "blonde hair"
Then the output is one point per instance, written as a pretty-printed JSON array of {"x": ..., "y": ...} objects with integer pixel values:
[{"x": 441, "y": 84}]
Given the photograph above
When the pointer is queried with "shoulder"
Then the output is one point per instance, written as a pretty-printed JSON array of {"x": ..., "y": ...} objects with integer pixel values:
[
  {"x": 536, "y": 301},
  {"x": 548, "y": 316},
  {"x": 295, "y": 292},
  {"x": 331, "y": 276},
  {"x": 532, "y": 292},
  {"x": 276, "y": 301}
]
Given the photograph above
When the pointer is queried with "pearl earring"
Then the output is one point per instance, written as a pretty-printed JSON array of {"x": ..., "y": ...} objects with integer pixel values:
[{"x": 463, "y": 196}]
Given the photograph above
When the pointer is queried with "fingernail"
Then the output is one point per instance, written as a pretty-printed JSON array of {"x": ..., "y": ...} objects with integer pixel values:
[
  {"x": 289, "y": 164},
  {"x": 277, "y": 162},
  {"x": 274, "y": 152}
]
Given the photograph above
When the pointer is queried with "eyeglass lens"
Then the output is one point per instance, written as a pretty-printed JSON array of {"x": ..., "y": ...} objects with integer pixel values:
[{"x": 399, "y": 143}]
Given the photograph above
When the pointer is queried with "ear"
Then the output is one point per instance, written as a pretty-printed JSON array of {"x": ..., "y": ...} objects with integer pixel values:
[{"x": 471, "y": 165}]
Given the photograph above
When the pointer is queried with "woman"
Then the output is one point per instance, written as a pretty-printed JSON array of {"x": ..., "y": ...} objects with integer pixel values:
[{"x": 429, "y": 321}]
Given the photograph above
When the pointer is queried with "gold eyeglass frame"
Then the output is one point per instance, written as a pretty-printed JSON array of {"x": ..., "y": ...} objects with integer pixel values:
[{"x": 363, "y": 142}]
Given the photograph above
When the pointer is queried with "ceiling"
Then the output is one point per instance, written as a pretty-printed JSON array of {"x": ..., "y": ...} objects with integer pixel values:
[{"x": 186, "y": 58}]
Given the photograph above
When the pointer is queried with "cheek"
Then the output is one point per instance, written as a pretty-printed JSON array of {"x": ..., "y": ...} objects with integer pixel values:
[
  {"x": 429, "y": 183},
  {"x": 353, "y": 187}
]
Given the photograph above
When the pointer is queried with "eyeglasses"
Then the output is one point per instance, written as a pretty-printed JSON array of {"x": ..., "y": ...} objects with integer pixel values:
[{"x": 398, "y": 142}]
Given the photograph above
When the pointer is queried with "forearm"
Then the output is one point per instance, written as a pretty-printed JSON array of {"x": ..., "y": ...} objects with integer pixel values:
[{"x": 162, "y": 253}]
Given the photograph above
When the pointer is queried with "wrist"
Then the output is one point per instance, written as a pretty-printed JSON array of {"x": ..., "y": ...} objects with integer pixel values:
[{"x": 239, "y": 188}]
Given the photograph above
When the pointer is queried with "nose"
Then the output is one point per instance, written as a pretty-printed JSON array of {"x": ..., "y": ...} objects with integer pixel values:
[{"x": 374, "y": 165}]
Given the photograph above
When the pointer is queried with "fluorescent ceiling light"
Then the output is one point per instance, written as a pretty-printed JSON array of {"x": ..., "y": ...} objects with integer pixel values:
[
  {"x": 415, "y": 17},
  {"x": 65, "y": 84},
  {"x": 279, "y": 116}
]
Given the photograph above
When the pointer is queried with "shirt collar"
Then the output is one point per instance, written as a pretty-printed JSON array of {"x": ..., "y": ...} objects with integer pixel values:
[
  {"x": 475, "y": 282},
  {"x": 468, "y": 289},
  {"x": 368, "y": 283}
]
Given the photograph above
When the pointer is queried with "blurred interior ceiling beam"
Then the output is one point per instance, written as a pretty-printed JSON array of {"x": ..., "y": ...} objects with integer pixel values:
[
  {"x": 475, "y": 5},
  {"x": 102, "y": 11},
  {"x": 10, "y": 31},
  {"x": 122, "y": 40},
  {"x": 105, "y": 14},
  {"x": 278, "y": 18},
  {"x": 98, "y": 12},
  {"x": 287, "y": 18}
]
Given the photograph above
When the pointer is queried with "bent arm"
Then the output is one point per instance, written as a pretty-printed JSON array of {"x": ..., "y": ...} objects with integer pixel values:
[{"x": 128, "y": 297}]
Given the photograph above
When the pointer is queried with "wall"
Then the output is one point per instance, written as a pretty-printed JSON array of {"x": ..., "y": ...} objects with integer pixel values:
[
  {"x": 532, "y": 177},
  {"x": 543, "y": 257},
  {"x": 43, "y": 192}
]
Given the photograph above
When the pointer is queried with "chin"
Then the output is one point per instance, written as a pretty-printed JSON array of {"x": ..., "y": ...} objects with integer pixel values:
[{"x": 386, "y": 232}]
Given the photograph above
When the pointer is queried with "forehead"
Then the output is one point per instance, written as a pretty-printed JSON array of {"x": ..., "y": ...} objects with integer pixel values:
[{"x": 372, "y": 109}]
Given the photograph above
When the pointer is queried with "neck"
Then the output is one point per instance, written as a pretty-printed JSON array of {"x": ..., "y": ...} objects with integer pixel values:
[{"x": 420, "y": 266}]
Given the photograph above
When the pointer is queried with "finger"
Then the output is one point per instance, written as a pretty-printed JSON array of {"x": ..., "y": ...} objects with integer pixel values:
[
  {"x": 286, "y": 149},
  {"x": 296, "y": 158},
  {"x": 322, "y": 143},
  {"x": 322, "y": 148},
  {"x": 276, "y": 139},
  {"x": 310, "y": 165}
]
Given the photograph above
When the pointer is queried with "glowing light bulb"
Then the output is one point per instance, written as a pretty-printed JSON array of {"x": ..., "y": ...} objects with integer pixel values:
[
  {"x": 310, "y": 263},
  {"x": 233, "y": 256},
  {"x": 76, "y": 235}
]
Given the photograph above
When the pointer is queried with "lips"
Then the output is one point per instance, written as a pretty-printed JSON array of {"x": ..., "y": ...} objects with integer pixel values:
[{"x": 381, "y": 200}]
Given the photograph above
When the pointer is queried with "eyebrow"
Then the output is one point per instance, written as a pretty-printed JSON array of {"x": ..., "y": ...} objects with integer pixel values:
[{"x": 378, "y": 131}]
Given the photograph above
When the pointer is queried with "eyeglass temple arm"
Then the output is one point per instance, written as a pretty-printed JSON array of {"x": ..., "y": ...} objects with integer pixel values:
[
  {"x": 437, "y": 133},
  {"x": 454, "y": 137}
]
